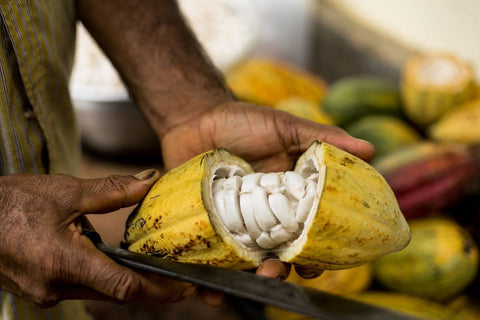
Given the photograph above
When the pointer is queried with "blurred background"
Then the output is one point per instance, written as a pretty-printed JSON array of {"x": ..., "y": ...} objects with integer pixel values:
[{"x": 402, "y": 74}]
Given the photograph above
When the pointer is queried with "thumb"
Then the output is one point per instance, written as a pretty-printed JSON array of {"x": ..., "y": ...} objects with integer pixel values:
[
  {"x": 101, "y": 277},
  {"x": 111, "y": 193}
]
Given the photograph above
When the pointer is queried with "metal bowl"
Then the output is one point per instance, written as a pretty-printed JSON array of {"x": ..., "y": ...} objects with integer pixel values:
[
  {"x": 110, "y": 124},
  {"x": 114, "y": 127}
]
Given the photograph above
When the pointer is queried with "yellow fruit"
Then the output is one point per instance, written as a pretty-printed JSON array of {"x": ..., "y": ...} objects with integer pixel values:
[
  {"x": 344, "y": 212},
  {"x": 467, "y": 306},
  {"x": 440, "y": 261},
  {"x": 461, "y": 124},
  {"x": 347, "y": 281},
  {"x": 267, "y": 82},
  {"x": 273, "y": 313},
  {"x": 432, "y": 84},
  {"x": 397, "y": 302},
  {"x": 304, "y": 109},
  {"x": 417, "y": 307}
]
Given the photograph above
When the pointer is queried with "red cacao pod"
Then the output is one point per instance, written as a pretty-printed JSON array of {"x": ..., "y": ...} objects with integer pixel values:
[{"x": 429, "y": 176}]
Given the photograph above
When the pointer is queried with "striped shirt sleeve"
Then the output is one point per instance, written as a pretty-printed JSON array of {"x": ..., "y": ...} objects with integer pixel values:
[
  {"x": 37, "y": 118},
  {"x": 37, "y": 129}
]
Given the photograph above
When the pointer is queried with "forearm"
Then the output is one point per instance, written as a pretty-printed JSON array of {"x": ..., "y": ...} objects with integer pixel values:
[{"x": 157, "y": 56}]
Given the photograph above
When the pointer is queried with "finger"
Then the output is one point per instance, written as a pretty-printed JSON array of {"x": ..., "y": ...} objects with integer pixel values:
[
  {"x": 337, "y": 137},
  {"x": 84, "y": 293},
  {"x": 114, "y": 192},
  {"x": 156, "y": 288},
  {"x": 274, "y": 268},
  {"x": 118, "y": 283},
  {"x": 307, "y": 273},
  {"x": 191, "y": 292},
  {"x": 212, "y": 297}
]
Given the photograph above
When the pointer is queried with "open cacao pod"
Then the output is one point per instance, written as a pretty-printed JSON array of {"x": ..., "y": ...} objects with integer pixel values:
[{"x": 334, "y": 211}]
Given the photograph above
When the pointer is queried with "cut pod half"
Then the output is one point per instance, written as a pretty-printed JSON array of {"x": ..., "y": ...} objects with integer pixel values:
[
  {"x": 333, "y": 211},
  {"x": 434, "y": 84}
]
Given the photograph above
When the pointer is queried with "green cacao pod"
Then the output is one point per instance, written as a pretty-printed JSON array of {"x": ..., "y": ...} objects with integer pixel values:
[
  {"x": 352, "y": 97},
  {"x": 386, "y": 133}
]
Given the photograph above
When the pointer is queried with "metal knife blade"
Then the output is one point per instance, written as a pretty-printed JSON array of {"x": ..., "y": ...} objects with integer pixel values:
[{"x": 242, "y": 284}]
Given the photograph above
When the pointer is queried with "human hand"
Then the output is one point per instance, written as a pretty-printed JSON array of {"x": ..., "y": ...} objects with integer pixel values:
[
  {"x": 45, "y": 258},
  {"x": 270, "y": 140}
]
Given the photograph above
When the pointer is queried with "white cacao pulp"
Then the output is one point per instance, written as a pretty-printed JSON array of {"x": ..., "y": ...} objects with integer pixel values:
[{"x": 264, "y": 210}]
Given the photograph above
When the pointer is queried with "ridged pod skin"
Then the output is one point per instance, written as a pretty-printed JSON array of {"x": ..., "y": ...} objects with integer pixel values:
[
  {"x": 411, "y": 305},
  {"x": 459, "y": 125},
  {"x": 356, "y": 96},
  {"x": 354, "y": 219},
  {"x": 345, "y": 281},
  {"x": 267, "y": 82},
  {"x": 373, "y": 128},
  {"x": 397, "y": 302},
  {"x": 173, "y": 221},
  {"x": 357, "y": 218},
  {"x": 426, "y": 95},
  {"x": 429, "y": 176},
  {"x": 440, "y": 261},
  {"x": 466, "y": 305},
  {"x": 304, "y": 108}
]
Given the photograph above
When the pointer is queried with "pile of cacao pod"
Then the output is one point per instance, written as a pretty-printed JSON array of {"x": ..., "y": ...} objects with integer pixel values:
[{"x": 426, "y": 130}]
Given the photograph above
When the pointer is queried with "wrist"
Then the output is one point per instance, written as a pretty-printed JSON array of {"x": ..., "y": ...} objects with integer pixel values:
[{"x": 166, "y": 109}]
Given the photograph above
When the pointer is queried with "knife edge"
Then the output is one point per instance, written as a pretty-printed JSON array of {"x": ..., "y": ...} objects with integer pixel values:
[{"x": 281, "y": 294}]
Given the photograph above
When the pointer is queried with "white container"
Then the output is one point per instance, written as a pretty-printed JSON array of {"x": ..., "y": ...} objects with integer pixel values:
[{"x": 109, "y": 122}]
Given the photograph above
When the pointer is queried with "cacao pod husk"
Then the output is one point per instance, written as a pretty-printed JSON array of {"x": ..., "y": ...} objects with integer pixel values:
[{"x": 429, "y": 176}]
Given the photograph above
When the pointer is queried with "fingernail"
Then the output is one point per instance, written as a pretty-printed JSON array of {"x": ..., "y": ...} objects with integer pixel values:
[
  {"x": 308, "y": 273},
  {"x": 190, "y": 292},
  {"x": 145, "y": 175},
  {"x": 365, "y": 141}
]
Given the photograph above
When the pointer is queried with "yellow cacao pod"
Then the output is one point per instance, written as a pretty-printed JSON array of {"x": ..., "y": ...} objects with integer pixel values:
[
  {"x": 346, "y": 281},
  {"x": 459, "y": 125},
  {"x": 346, "y": 214},
  {"x": 432, "y": 84},
  {"x": 411, "y": 305},
  {"x": 440, "y": 261},
  {"x": 304, "y": 109},
  {"x": 267, "y": 82},
  {"x": 402, "y": 303},
  {"x": 466, "y": 305}
]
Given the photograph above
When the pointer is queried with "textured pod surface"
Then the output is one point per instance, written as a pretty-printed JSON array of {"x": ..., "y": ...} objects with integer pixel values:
[
  {"x": 353, "y": 97},
  {"x": 461, "y": 124},
  {"x": 410, "y": 305},
  {"x": 417, "y": 307},
  {"x": 386, "y": 133},
  {"x": 356, "y": 220},
  {"x": 345, "y": 281},
  {"x": 304, "y": 108},
  {"x": 434, "y": 84},
  {"x": 267, "y": 82},
  {"x": 429, "y": 176},
  {"x": 173, "y": 221},
  {"x": 466, "y": 305},
  {"x": 440, "y": 261},
  {"x": 353, "y": 216}
]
